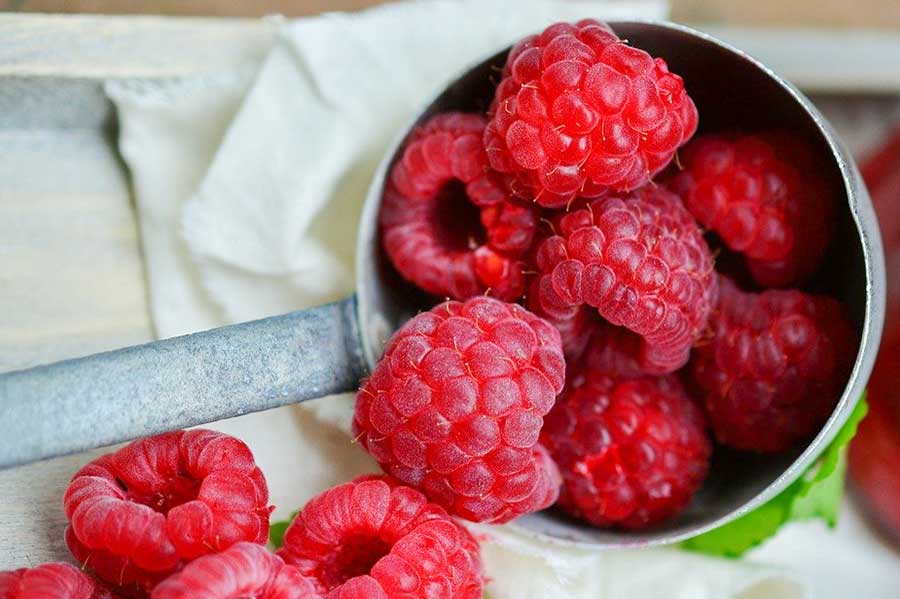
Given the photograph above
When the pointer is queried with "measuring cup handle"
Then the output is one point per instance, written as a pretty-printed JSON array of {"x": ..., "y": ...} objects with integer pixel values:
[{"x": 115, "y": 396}]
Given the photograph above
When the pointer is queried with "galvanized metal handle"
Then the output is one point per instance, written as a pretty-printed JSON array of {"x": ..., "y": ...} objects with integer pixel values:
[{"x": 115, "y": 396}]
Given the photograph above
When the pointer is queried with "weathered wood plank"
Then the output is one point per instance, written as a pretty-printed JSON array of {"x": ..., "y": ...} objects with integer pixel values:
[
  {"x": 71, "y": 277},
  {"x": 70, "y": 266},
  {"x": 118, "y": 46}
]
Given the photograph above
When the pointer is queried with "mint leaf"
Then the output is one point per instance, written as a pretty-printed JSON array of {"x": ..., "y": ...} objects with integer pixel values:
[
  {"x": 738, "y": 536},
  {"x": 277, "y": 530},
  {"x": 822, "y": 499},
  {"x": 816, "y": 494},
  {"x": 822, "y": 486}
]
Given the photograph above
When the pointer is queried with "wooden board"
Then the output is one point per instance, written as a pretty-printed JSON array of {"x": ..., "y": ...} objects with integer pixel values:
[{"x": 71, "y": 276}]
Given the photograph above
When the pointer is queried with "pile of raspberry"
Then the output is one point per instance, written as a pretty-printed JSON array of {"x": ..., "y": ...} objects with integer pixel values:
[
  {"x": 583, "y": 351},
  {"x": 185, "y": 515},
  {"x": 656, "y": 285}
]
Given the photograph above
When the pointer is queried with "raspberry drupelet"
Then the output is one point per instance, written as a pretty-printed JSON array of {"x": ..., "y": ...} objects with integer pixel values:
[
  {"x": 447, "y": 224},
  {"x": 764, "y": 197},
  {"x": 632, "y": 450},
  {"x": 614, "y": 351},
  {"x": 456, "y": 405},
  {"x": 641, "y": 262},
  {"x": 51, "y": 581},
  {"x": 579, "y": 112},
  {"x": 142, "y": 512},
  {"x": 243, "y": 570},
  {"x": 375, "y": 539},
  {"x": 774, "y": 367}
]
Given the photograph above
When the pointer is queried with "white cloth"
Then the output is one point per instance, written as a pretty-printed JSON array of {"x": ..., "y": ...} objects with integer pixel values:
[{"x": 248, "y": 200}]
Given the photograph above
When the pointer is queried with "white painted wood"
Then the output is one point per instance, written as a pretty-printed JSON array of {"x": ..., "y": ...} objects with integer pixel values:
[
  {"x": 32, "y": 521},
  {"x": 822, "y": 59},
  {"x": 70, "y": 266},
  {"x": 71, "y": 283},
  {"x": 123, "y": 46},
  {"x": 71, "y": 278}
]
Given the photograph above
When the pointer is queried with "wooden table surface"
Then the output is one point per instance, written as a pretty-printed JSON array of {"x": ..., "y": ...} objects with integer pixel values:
[
  {"x": 94, "y": 300},
  {"x": 861, "y": 13},
  {"x": 71, "y": 276}
]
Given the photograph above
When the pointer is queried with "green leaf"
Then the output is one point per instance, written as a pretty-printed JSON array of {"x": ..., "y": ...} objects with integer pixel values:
[
  {"x": 823, "y": 498},
  {"x": 277, "y": 530},
  {"x": 816, "y": 494},
  {"x": 738, "y": 536}
]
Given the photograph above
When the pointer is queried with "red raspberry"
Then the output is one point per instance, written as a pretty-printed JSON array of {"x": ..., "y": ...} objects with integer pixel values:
[
  {"x": 775, "y": 366},
  {"x": 875, "y": 453},
  {"x": 242, "y": 570},
  {"x": 641, "y": 261},
  {"x": 138, "y": 514},
  {"x": 579, "y": 112},
  {"x": 762, "y": 194},
  {"x": 614, "y": 351},
  {"x": 632, "y": 451},
  {"x": 576, "y": 324},
  {"x": 439, "y": 191},
  {"x": 455, "y": 407},
  {"x": 374, "y": 539},
  {"x": 50, "y": 581},
  {"x": 881, "y": 172}
]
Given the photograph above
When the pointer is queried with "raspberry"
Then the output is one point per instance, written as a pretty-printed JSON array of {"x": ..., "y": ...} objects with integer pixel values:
[
  {"x": 447, "y": 224},
  {"x": 614, "y": 351},
  {"x": 579, "y": 113},
  {"x": 455, "y": 407},
  {"x": 775, "y": 366},
  {"x": 138, "y": 514},
  {"x": 763, "y": 196},
  {"x": 641, "y": 261},
  {"x": 873, "y": 458},
  {"x": 50, "y": 581},
  {"x": 374, "y": 539},
  {"x": 881, "y": 172},
  {"x": 632, "y": 451},
  {"x": 576, "y": 324},
  {"x": 242, "y": 570}
]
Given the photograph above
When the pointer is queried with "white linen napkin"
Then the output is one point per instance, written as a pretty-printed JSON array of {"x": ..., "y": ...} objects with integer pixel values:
[{"x": 248, "y": 186}]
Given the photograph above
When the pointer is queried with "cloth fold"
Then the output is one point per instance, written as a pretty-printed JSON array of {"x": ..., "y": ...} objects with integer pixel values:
[{"x": 248, "y": 186}]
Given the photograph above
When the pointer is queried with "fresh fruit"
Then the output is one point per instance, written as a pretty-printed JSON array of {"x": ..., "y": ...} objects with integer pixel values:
[
  {"x": 456, "y": 404},
  {"x": 881, "y": 172},
  {"x": 50, "y": 581},
  {"x": 774, "y": 367},
  {"x": 140, "y": 513},
  {"x": 875, "y": 452},
  {"x": 614, "y": 351},
  {"x": 632, "y": 450},
  {"x": 244, "y": 570},
  {"x": 642, "y": 262},
  {"x": 874, "y": 455},
  {"x": 764, "y": 197},
  {"x": 447, "y": 224},
  {"x": 579, "y": 112},
  {"x": 374, "y": 539}
]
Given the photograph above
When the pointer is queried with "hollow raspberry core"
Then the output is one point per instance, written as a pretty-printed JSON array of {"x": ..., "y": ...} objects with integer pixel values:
[
  {"x": 447, "y": 224},
  {"x": 179, "y": 490},
  {"x": 457, "y": 222},
  {"x": 355, "y": 557}
]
